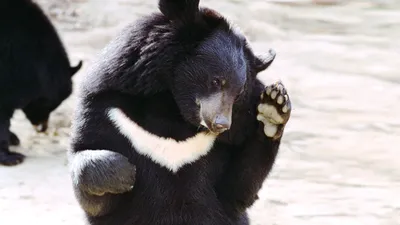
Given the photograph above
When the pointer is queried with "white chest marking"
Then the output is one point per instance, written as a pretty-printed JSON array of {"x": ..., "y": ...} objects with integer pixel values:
[{"x": 167, "y": 152}]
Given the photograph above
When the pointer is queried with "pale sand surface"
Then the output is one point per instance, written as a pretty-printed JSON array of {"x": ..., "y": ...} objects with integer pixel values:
[{"x": 339, "y": 160}]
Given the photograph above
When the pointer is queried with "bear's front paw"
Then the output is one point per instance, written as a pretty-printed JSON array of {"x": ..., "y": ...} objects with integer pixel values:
[
  {"x": 111, "y": 185},
  {"x": 274, "y": 110},
  {"x": 101, "y": 172}
]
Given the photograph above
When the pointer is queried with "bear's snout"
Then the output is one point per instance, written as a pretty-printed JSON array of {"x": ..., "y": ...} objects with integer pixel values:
[
  {"x": 220, "y": 124},
  {"x": 216, "y": 112}
]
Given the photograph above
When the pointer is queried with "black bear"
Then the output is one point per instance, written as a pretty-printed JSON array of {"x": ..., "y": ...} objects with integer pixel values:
[
  {"x": 35, "y": 74},
  {"x": 172, "y": 126}
]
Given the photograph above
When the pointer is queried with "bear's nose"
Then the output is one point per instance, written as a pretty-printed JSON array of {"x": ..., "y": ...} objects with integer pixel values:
[{"x": 221, "y": 124}]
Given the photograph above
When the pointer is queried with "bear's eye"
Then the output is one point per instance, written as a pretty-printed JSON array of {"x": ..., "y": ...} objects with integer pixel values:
[{"x": 216, "y": 82}]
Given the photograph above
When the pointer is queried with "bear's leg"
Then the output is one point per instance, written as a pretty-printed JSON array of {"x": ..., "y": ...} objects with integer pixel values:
[
  {"x": 99, "y": 176},
  {"x": 7, "y": 158},
  {"x": 14, "y": 140},
  {"x": 251, "y": 164}
]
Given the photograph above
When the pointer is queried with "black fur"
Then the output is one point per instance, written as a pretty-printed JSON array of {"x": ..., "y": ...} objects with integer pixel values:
[
  {"x": 154, "y": 71},
  {"x": 182, "y": 11},
  {"x": 35, "y": 74}
]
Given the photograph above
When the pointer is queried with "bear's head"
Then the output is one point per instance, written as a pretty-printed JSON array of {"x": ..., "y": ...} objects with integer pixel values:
[
  {"x": 38, "y": 110},
  {"x": 217, "y": 68}
]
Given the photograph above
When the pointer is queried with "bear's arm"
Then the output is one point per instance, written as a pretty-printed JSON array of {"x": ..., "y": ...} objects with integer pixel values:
[
  {"x": 250, "y": 162},
  {"x": 245, "y": 173},
  {"x": 99, "y": 160},
  {"x": 100, "y": 177}
]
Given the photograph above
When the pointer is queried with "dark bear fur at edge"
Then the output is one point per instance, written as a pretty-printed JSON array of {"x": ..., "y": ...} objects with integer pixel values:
[
  {"x": 35, "y": 74},
  {"x": 140, "y": 72}
]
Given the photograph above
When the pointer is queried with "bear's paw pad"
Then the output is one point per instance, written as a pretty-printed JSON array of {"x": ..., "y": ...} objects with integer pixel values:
[{"x": 274, "y": 110}]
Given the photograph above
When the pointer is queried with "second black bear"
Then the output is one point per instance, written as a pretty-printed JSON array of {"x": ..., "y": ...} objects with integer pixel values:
[
  {"x": 35, "y": 74},
  {"x": 172, "y": 126}
]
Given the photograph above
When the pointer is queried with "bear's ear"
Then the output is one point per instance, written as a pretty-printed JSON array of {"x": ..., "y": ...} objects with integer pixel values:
[
  {"x": 179, "y": 10},
  {"x": 261, "y": 63}
]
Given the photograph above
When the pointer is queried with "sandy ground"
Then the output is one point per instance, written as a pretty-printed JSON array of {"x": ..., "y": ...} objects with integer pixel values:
[{"x": 337, "y": 163}]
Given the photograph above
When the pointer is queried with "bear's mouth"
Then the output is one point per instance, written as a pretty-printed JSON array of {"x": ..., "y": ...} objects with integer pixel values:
[{"x": 215, "y": 128}]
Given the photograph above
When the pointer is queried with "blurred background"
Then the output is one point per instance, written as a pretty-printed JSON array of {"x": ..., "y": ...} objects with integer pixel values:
[{"x": 340, "y": 63}]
